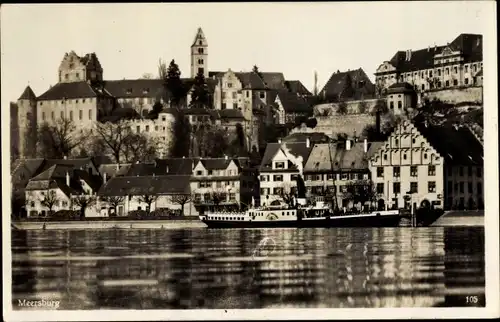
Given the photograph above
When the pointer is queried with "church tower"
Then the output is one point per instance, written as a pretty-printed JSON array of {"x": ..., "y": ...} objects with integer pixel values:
[
  {"x": 27, "y": 123},
  {"x": 199, "y": 55}
]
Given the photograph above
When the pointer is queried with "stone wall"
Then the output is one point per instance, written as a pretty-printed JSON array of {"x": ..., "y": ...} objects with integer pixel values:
[
  {"x": 353, "y": 107},
  {"x": 458, "y": 95},
  {"x": 349, "y": 124}
]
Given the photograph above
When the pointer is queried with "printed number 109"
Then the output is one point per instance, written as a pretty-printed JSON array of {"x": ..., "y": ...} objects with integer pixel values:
[{"x": 471, "y": 299}]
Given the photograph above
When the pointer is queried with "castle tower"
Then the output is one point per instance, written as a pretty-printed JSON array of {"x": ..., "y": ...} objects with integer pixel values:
[
  {"x": 74, "y": 68},
  {"x": 199, "y": 55},
  {"x": 26, "y": 121}
]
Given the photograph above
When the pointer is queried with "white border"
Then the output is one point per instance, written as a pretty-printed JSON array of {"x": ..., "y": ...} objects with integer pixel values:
[{"x": 491, "y": 239}]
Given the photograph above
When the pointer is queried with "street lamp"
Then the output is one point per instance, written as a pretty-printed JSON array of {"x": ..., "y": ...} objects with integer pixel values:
[{"x": 409, "y": 195}]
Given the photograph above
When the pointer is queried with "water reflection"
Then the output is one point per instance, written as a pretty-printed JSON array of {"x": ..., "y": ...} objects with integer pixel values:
[{"x": 249, "y": 268}]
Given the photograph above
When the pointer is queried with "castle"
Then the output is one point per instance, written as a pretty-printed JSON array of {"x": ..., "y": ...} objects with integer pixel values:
[{"x": 84, "y": 97}]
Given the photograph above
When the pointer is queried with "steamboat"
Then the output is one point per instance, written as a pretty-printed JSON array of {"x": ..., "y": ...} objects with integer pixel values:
[{"x": 301, "y": 215}]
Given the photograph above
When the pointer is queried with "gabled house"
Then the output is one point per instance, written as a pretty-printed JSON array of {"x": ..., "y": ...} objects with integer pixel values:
[
  {"x": 56, "y": 187},
  {"x": 348, "y": 86},
  {"x": 222, "y": 182},
  {"x": 429, "y": 166},
  {"x": 338, "y": 168},
  {"x": 281, "y": 167},
  {"x": 290, "y": 107}
]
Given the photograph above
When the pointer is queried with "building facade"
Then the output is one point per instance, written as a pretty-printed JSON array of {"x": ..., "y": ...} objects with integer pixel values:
[
  {"x": 420, "y": 165},
  {"x": 456, "y": 64}
]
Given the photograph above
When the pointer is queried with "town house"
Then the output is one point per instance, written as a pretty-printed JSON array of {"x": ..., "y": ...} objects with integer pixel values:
[
  {"x": 338, "y": 169},
  {"x": 281, "y": 167},
  {"x": 429, "y": 166}
]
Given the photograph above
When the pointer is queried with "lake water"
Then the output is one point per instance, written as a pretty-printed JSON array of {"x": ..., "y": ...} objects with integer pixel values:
[{"x": 249, "y": 268}]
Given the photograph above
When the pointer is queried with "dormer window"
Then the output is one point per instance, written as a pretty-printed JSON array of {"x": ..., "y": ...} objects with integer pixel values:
[
  {"x": 229, "y": 85},
  {"x": 145, "y": 91},
  {"x": 279, "y": 165},
  {"x": 129, "y": 91},
  {"x": 71, "y": 66}
]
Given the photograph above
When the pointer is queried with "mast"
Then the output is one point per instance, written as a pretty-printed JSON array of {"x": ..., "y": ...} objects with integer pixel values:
[{"x": 334, "y": 197}]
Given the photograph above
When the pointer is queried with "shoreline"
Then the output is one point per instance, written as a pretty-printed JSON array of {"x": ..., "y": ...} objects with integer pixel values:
[{"x": 107, "y": 224}]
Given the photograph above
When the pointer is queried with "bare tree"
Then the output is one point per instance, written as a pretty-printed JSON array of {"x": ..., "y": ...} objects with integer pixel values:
[
  {"x": 58, "y": 139},
  {"x": 162, "y": 69},
  {"x": 342, "y": 108},
  {"x": 360, "y": 191},
  {"x": 218, "y": 196},
  {"x": 49, "y": 200},
  {"x": 181, "y": 200},
  {"x": 112, "y": 136},
  {"x": 113, "y": 201},
  {"x": 83, "y": 202},
  {"x": 137, "y": 147},
  {"x": 288, "y": 193},
  {"x": 148, "y": 200}
]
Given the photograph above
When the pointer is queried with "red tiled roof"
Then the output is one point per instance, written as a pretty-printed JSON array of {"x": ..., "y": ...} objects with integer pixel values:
[{"x": 335, "y": 86}]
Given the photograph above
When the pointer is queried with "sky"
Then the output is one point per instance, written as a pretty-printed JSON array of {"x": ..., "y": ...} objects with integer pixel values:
[{"x": 294, "y": 38}]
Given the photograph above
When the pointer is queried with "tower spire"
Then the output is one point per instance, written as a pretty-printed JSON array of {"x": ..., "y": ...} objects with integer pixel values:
[{"x": 199, "y": 54}]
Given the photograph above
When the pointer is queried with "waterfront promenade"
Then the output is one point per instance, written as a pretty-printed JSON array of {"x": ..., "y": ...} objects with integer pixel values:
[{"x": 460, "y": 218}]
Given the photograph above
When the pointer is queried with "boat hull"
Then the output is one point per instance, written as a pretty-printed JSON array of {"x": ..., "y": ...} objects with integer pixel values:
[{"x": 365, "y": 221}]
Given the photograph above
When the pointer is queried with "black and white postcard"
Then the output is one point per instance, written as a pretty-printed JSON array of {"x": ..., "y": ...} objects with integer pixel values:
[{"x": 214, "y": 161}]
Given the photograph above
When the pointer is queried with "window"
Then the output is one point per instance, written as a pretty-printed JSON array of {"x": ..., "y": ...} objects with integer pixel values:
[
  {"x": 404, "y": 156},
  {"x": 210, "y": 172},
  {"x": 469, "y": 187},
  {"x": 380, "y": 172},
  {"x": 234, "y": 95},
  {"x": 223, "y": 106},
  {"x": 461, "y": 171},
  {"x": 279, "y": 165},
  {"x": 138, "y": 129},
  {"x": 396, "y": 142},
  {"x": 431, "y": 186},
  {"x": 277, "y": 191},
  {"x": 430, "y": 73},
  {"x": 400, "y": 104},
  {"x": 396, "y": 172},
  {"x": 396, "y": 187},
  {"x": 66, "y": 76},
  {"x": 447, "y": 71},
  {"x": 432, "y": 170},
  {"x": 62, "y": 114},
  {"x": 455, "y": 70},
  {"x": 479, "y": 188},
  {"x": 385, "y": 156},
  {"x": 380, "y": 188},
  {"x": 479, "y": 172},
  {"x": 262, "y": 94},
  {"x": 413, "y": 187},
  {"x": 277, "y": 177},
  {"x": 263, "y": 178},
  {"x": 52, "y": 116},
  {"x": 391, "y": 104},
  {"x": 229, "y": 85},
  {"x": 200, "y": 50},
  {"x": 71, "y": 115},
  {"x": 147, "y": 128},
  {"x": 156, "y": 128},
  {"x": 439, "y": 84},
  {"x": 90, "y": 114},
  {"x": 461, "y": 185},
  {"x": 423, "y": 87},
  {"x": 455, "y": 82},
  {"x": 80, "y": 114},
  {"x": 447, "y": 83},
  {"x": 466, "y": 81},
  {"x": 474, "y": 67},
  {"x": 413, "y": 171}
]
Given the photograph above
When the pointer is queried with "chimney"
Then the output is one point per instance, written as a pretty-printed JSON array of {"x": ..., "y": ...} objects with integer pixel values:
[
  {"x": 308, "y": 143},
  {"x": 104, "y": 178},
  {"x": 348, "y": 144},
  {"x": 67, "y": 179},
  {"x": 365, "y": 143}
]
